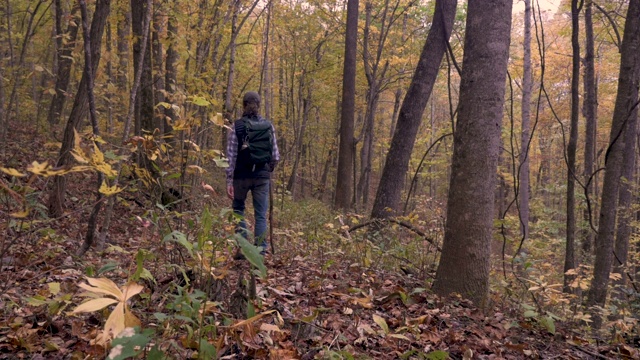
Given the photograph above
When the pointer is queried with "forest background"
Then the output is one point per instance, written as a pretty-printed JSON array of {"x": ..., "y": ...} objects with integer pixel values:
[{"x": 112, "y": 160}]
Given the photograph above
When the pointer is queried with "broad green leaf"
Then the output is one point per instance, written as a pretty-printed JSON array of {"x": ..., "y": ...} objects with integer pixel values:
[
  {"x": 108, "y": 267},
  {"x": 180, "y": 238},
  {"x": 530, "y": 314},
  {"x": 252, "y": 253},
  {"x": 438, "y": 355},
  {"x": 94, "y": 305},
  {"x": 548, "y": 323},
  {"x": 36, "y": 300},
  {"x": 206, "y": 350}
]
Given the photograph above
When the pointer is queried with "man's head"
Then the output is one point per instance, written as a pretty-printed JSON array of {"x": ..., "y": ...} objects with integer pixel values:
[{"x": 251, "y": 103}]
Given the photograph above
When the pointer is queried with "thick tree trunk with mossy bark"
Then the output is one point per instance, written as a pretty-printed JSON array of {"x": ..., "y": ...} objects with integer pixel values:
[{"x": 465, "y": 260}]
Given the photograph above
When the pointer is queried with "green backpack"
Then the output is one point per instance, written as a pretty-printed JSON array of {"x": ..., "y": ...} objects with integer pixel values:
[{"x": 258, "y": 140}]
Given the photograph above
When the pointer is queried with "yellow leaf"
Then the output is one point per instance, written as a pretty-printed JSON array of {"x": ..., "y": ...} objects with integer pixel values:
[
  {"x": 94, "y": 305},
  {"x": 218, "y": 119},
  {"x": 12, "y": 172},
  {"x": 381, "y": 322},
  {"x": 130, "y": 290},
  {"x": 194, "y": 169},
  {"x": 54, "y": 288},
  {"x": 115, "y": 324},
  {"x": 38, "y": 168},
  {"x": 109, "y": 190},
  {"x": 615, "y": 276},
  {"x": 130, "y": 320},
  {"x": 98, "y": 156},
  {"x": 252, "y": 319},
  {"x": 103, "y": 286},
  {"x": 21, "y": 214},
  {"x": 269, "y": 328}
]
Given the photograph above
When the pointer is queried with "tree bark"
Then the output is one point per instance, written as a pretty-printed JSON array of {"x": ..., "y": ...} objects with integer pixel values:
[
  {"x": 88, "y": 74},
  {"x": 63, "y": 72},
  {"x": 158, "y": 78},
  {"x": 144, "y": 103},
  {"x": 171, "y": 75},
  {"x": 344, "y": 181},
  {"x": 465, "y": 260},
  {"x": 590, "y": 106},
  {"x": 569, "y": 258},
  {"x": 525, "y": 138},
  {"x": 79, "y": 109},
  {"x": 625, "y": 197},
  {"x": 387, "y": 199},
  {"x": 624, "y": 114}
]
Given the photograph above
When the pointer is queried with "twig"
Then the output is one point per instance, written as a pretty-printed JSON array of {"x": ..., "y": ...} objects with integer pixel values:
[
  {"x": 599, "y": 356},
  {"x": 395, "y": 221}
]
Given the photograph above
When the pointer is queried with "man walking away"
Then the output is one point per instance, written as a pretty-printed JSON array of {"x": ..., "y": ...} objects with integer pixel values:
[{"x": 253, "y": 154}]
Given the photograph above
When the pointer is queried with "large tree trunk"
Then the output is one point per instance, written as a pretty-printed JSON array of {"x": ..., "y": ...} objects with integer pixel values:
[
  {"x": 465, "y": 260},
  {"x": 344, "y": 181},
  {"x": 410, "y": 117},
  {"x": 624, "y": 115},
  {"x": 623, "y": 231},
  {"x": 523, "y": 175},
  {"x": 79, "y": 109},
  {"x": 589, "y": 108},
  {"x": 64, "y": 61},
  {"x": 569, "y": 258}
]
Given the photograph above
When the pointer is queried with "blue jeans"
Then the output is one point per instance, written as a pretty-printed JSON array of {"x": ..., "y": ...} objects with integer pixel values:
[{"x": 260, "y": 193}]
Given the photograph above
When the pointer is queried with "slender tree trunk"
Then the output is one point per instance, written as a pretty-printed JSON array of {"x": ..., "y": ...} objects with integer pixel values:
[
  {"x": 109, "y": 93},
  {"x": 122, "y": 71},
  {"x": 4, "y": 121},
  {"x": 79, "y": 109},
  {"x": 344, "y": 184},
  {"x": 158, "y": 78},
  {"x": 412, "y": 109},
  {"x": 523, "y": 175},
  {"x": 570, "y": 259},
  {"x": 624, "y": 114},
  {"x": 465, "y": 260},
  {"x": 144, "y": 103},
  {"x": 63, "y": 69},
  {"x": 590, "y": 104},
  {"x": 232, "y": 59},
  {"x": 88, "y": 74},
  {"x": 171, "y": 76},
  {"x": 129, "y": 117}
]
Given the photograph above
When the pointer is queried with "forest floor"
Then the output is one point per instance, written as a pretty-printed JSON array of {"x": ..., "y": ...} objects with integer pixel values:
[{"x": 318, "y": 299}]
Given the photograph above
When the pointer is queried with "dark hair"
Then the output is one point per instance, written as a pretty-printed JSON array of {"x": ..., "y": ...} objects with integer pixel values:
[{"x": 251, "y": 103}]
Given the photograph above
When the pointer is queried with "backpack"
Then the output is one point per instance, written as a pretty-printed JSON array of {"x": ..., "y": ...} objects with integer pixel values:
[{"x": 257, "y": 144}]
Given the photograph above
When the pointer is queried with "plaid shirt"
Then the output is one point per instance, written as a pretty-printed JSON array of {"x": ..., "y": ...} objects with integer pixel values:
[{"x": 232, "y": 151}]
